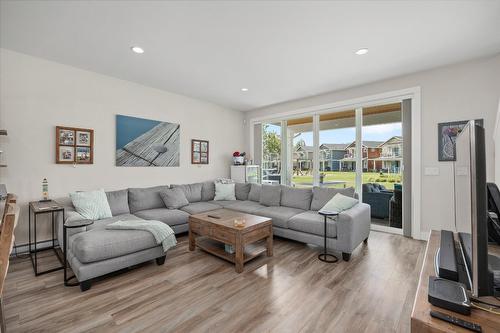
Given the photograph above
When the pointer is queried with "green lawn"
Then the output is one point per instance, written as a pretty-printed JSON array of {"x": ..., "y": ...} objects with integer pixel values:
[{"x": 388, "y": 180}]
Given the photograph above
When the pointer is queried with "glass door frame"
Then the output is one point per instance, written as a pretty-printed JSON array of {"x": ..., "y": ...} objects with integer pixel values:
[{"x": 358, "y": 104}]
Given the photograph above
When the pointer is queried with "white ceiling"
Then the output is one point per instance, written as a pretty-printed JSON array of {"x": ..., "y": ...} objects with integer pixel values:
[{"x": 279, "y": 50}]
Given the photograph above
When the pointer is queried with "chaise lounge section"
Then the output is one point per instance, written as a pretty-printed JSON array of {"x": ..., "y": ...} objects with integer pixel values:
[{"x": 94, "y": 251}]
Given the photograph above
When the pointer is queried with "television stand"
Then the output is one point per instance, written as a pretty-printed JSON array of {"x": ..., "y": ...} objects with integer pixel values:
[{"x": 421, "y": 320}]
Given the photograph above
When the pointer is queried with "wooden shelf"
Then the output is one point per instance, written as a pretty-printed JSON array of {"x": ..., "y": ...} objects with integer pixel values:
[
  {"x": 3, "y": 132},
  {"x": 217, "y": 249}
]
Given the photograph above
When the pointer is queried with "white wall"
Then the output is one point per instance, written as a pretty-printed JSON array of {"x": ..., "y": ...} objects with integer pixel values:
[
  {"x": 36, "y": 95},
  {"x": 464, "y": 91}
]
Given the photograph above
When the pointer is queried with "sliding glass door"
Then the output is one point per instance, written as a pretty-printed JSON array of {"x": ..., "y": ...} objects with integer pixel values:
[
  {"x": 300, "y": 159},
  {"x": 360, "y": 148},
  {"x": 271, "y": 153},
  {"x": 382, "y": 140},
  {"x": 337, "y": 153}
]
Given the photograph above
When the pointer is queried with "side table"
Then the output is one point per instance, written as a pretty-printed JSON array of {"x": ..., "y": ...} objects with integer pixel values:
[
  {"x": 70, "y": 225},
  {"x": 325, "y": 256},
  {"x": 36, "y": 208}
]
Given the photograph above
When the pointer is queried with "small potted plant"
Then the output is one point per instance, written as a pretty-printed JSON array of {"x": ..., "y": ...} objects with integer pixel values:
[{"x": 238, "y": 158}]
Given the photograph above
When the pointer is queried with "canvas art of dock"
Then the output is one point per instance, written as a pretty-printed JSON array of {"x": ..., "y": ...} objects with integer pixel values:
[{"x": 157, "y": 147}]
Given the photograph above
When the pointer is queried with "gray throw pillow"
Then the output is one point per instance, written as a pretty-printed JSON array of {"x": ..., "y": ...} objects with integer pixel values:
[
  {"x": 270, "y": 195},
  {"x": 321, "y": 195},
  {"x": 293, "y": 197},
  {"x": 191, "y": 191},
  {"x": 118, "y": 202},
  {"x": 174, "y": 198},
  {"x": 208, "y": 191},
  {"x": 241, "y": 190},
  {"x": 254, "y": 194},
  {"x": 145, "y": 198}
]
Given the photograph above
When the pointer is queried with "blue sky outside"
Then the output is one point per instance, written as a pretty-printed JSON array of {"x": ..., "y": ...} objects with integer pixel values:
[{"x": 380, "y": 132}]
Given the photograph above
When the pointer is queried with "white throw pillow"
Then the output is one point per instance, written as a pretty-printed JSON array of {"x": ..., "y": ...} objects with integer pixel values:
[
  {"x": 224, "y": 192},
  {"x": 92, "y": 205},
  {"x": 339, "y": 203}
]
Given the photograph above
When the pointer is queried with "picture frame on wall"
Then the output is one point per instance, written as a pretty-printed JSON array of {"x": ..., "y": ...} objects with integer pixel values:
[
  {"x": 142, "y": 142},
  {"x": 74, "y": 145},
  {"x": 83, "y": 138},
  {"x": 66, "y": 154},
  {"x": 66, "y": 136},
  {"x": 83, "y": 154},
  {"x": 447, "y": 136},
  {"x": 199, "y": 151}
]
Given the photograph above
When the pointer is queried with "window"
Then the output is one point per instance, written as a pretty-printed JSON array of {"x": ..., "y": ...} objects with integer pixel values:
[
  {"x": 360, "y": 148},
  {"x": 271, "y": 153},
  {"x": 337, "y": 133}
]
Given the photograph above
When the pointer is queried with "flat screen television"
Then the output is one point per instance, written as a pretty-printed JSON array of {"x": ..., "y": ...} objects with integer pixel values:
[{"x": 471, "y": 207}]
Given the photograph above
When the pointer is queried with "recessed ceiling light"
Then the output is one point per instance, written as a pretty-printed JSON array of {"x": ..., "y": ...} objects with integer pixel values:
[
  {"x": 244, "y": 89},
  {"x": 362, "y": 51},
  {"x": 137, "y": 49}
]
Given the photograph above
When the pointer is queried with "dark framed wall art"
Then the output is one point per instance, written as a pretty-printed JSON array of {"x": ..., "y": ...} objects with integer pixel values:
[
  {"x": 447, "y": 135},
  {"x": 199, "y": 151},
  {"x": 74, "y": 145}
]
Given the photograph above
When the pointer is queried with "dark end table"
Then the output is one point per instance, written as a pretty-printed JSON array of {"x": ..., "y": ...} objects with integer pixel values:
[
  {"x": 325, "y": 256},
  {"x": 36, "y": 208},
  {"x": 71, "y": 225}
]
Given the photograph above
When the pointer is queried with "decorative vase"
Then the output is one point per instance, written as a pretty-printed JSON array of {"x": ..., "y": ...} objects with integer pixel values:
[{"x": 239, "y": 160}]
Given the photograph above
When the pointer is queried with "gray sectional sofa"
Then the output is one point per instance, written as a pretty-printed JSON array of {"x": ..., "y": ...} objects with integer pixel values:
[{"x": 94, "y": 251}]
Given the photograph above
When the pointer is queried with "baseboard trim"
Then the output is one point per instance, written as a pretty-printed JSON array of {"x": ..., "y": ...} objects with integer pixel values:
[
  {"x": 424, "y": 235},
  {"x": 24, "y": 248},
  {"x": 383, "y": 228}
]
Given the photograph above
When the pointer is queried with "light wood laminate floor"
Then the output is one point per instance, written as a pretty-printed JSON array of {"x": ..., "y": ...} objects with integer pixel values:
[{"x": 196, "y": 292}]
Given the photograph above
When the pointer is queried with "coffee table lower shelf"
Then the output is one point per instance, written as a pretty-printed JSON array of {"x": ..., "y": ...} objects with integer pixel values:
[{"x": 217, "y": 249}]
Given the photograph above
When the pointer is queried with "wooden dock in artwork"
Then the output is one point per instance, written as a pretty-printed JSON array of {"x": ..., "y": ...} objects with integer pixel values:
[{"x": 157, "y": 147}]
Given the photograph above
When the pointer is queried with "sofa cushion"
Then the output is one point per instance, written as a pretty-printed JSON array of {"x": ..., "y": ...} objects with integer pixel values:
[
  {"x": 169, "y": 216},
  {"x": 174, "y": 198},
  {"x": 200, "y": 207},
  {"x": 339, "y": 203},
  {"x": 270, "y": 195},
  {"x": 246, "y": 206},
  {"x": 101, "y": 244},
  {"x": 296, "y": 197},
  {"x": 321, "y": 195},
  {"x": 224, "y": 192},
  {"x": 207, "y": 191},
  {"x": 145, "y": 198},
  {"x": 367, "y": 187},
  {"x": 312, "y": 223},
  {"x": 118, "y": 202},
  {"x": 191, "y": 191},
  {"x": 280, "y": 215},
  {"x": 92, "y": 205},
  {"x": 223, "y": 203},
  {"x": 241, "y": 190},
  {"x": 101, "y": 224},
  {"x": 254, "y": 193}
]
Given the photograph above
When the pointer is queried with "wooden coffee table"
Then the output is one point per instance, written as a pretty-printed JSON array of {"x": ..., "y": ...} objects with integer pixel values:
[{"x": 210, "y": 234}]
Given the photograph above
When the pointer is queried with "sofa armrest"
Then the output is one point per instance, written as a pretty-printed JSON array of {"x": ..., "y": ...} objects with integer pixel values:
[
  {"x": 353, "y": 227},
  {"x": 70, "y": 215}
]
